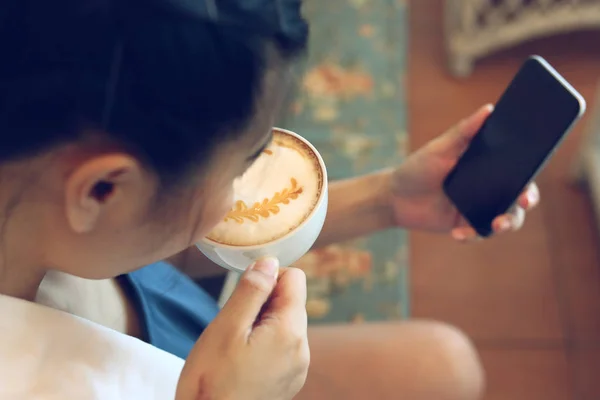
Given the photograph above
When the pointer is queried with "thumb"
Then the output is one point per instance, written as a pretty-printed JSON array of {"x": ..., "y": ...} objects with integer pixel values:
[
  {"x": 458, "y": 138},
  {"x": 252, "y": 292}
]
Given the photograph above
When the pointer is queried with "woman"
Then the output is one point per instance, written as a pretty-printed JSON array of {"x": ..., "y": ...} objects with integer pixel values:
[{"x": 123, "y": 126}]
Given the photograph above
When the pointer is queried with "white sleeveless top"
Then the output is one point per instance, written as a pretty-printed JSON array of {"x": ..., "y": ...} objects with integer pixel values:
[{"x": 52, "y": 355}]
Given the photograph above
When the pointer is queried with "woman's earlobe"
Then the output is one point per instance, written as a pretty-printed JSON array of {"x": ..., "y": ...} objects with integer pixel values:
[{"x": 83, "y": 214}]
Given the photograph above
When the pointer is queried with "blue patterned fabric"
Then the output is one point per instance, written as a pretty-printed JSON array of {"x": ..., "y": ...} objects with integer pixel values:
[{"x": 350, "y": 104}]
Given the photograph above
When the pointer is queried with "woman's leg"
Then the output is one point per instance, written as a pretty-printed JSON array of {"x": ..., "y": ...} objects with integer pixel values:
[{"x": 415, "y": 360}]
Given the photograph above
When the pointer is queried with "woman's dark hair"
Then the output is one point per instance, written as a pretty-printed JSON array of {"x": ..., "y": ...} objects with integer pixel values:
[{"x": 167, "y": 80}]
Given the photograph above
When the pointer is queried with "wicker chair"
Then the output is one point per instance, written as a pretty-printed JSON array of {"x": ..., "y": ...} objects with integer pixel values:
[{"x": 476, "y": 28}]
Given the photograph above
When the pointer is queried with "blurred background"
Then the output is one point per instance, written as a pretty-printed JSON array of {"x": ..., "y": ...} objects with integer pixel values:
[
  {"x": 383, "y": 77},
  {"x": 531, "y": 300}
]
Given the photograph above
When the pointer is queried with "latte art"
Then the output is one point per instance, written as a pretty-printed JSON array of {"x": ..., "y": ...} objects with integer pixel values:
[
  {"x": 267, "y": 207},
  {"x": 277, "y": 193}
]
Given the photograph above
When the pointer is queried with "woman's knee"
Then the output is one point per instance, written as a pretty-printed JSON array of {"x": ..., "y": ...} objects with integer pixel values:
[
  {"x": 416, "y": 360},
  {"x": 446, "y": 362}
]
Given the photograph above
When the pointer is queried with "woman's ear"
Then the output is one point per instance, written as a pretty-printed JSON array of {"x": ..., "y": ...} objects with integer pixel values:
[{"x": 98, "y": 184}]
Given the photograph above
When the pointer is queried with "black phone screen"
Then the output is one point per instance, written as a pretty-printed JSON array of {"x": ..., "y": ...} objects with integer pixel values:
[{"x": 528, "y": 122}]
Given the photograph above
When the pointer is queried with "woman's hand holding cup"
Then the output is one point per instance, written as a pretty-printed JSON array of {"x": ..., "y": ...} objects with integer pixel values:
[{"x": 257, "y": 347}]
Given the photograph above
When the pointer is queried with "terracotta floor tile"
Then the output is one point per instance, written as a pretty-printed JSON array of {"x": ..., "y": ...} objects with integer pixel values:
[
  {"x": 585, "y": 366},
  {"x": 539, "y": 374},
  {"x": 501, "y": 289},
  {"x": 574, "y": 252}
]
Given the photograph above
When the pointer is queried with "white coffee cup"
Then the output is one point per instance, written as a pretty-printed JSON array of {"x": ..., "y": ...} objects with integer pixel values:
[{"x": 287, "y": 249}]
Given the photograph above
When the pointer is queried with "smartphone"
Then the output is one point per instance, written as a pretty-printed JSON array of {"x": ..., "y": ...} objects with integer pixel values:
[{"x": 528, "y": 123}]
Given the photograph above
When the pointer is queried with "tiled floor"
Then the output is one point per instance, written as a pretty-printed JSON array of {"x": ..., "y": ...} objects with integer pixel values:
[{"x": 530, "y": 300}]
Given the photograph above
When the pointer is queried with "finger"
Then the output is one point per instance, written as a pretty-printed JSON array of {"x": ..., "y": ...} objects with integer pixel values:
[
  {"x": 288, "y": 301},
  {"x": 513, "y": 221},
  {"x": 530, "y": 198},
  {"x": 459, "y": 137},
  {"x": 250, "y": 295},
  {"x": 465, "y": 234}
]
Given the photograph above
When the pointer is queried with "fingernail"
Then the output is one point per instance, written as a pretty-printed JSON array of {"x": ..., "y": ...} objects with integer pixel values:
[
  {"x": 532, "y": 198},
  {"x": 504, "y": 225},
  {"x": 459, "y": 235},
  {"x": 489, "y": 107},
  {"x": 268, "y": 266}
]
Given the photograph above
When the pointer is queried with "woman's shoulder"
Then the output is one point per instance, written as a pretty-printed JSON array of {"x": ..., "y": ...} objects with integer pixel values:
[{"x": 47, "y": 353}]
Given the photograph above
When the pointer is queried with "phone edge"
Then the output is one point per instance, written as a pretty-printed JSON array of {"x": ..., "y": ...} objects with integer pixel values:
[
  {"x": 565, "y": 83},
  {"x": 582, "y": 108}
]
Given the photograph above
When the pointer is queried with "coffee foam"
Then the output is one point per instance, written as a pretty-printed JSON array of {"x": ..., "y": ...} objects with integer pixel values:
[{"x": 275, "y": 195}]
